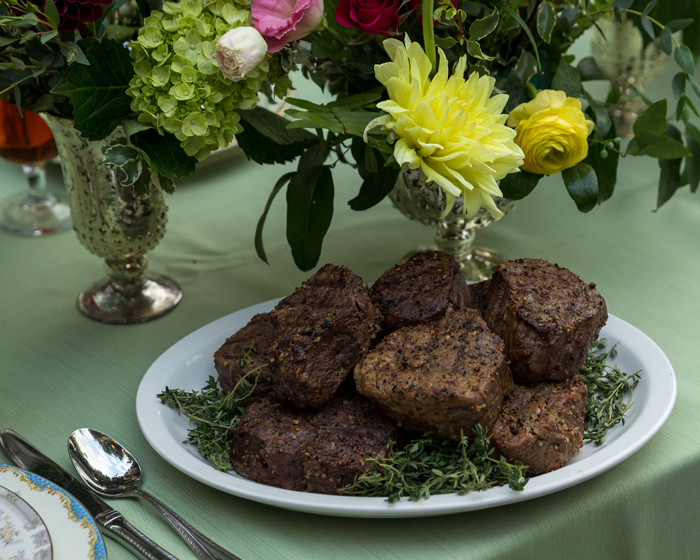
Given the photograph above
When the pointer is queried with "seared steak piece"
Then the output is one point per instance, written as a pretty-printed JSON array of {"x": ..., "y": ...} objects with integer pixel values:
[
  {"x": 547, "y": 317},
  {"x": 443, "y": 377},
  {"x": 321, "y": 332},
  {"x": 542, "y": 425},
  {"x": 425, "y": 288},
  {"x": 317, "y": 451},
  {"x": 478, "y": 296},
  {"x": 244, "y": 352}
]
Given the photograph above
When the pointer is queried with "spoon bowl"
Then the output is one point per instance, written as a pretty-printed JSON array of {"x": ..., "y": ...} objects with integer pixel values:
[{"x": 110, "y": 470}]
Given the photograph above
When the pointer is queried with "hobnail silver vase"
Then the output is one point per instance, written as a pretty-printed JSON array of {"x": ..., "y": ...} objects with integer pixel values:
[
  {"x": 454, "y": 233},
  {"x": 114, "y": 225}
]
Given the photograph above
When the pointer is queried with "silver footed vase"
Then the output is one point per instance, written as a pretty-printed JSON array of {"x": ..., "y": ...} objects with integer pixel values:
[
  {"x": 116, "y": 226},
  {"x": 454, "y": 233}
]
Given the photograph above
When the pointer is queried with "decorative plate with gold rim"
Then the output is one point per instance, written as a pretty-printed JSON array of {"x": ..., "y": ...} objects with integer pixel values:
[{"x": 40, "y": 521}]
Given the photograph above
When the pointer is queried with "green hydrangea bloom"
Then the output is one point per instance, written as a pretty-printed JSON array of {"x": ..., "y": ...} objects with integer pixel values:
[{"x": 178, "y": 87}]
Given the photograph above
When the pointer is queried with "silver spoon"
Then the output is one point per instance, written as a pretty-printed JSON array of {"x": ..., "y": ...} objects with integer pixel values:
[{"x": 111, "y": 471}]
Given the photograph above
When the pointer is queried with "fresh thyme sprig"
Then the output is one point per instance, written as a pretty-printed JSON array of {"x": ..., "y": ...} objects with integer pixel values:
[
  {"x": 429, "y": 466},
  {"x": 214, "y": 413},
  {"x": 607, "y": 388}
]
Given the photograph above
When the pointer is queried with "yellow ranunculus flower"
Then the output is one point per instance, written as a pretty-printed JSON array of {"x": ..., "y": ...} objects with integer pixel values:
[
  {"x": 450, "y": 128},
  {"x": 552, "y": 132}
]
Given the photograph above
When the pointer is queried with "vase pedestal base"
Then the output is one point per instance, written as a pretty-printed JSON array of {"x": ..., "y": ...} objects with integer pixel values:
[
  {"x": 27, "y": 215},
  {"x": 104, "y": 302},
  {"x": 476, "y": 264}
]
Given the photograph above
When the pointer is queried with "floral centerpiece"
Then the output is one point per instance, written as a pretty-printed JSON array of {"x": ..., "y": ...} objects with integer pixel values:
[{"x": 480, "y": 98}]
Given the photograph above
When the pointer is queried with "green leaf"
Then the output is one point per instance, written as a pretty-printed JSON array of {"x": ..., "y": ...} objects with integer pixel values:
[
  {"x": 679, "y": 24},
  {"x": 132, "y": 127},
  {"x": 605, "y": 168},
  {"x": 374, "y": 188},
  {"x": 670, "y": 176},
  {"x": 98, "y": 94},
  {"x": 588, "y": 70},
  {"x": 52, "y": 13},
  {"x": 546, "y": 18},
  {"x": 651, "y": 125},
  {"x": 512, "y": 13},
  {"x": 678, "y": 84},
  {"x": 518, "y": 185},
  {"x": 600, "y": 114},
  {"x": 80, "y": 57},
  {"x": 259, "y": 247},
  {"x": 665, "y": 41},
  {"x": 582, "y": 184},
  {"x": 474, "y": 49},
  {"x": 165, "y": 154},
  {"x": 142, "y": 185},
  {"x": 263, "y": 149},
  {"x": 666, "y": 148},
  {"x": 48, "y": 36},
  {"x": 483, "y": 27},
  {"x": 370, "y": 159},
  {"x": 274, "y": 126},
  {"x": 682, "y": 113},
  {"x": 568, "y": 80},
  {"x": 692, "y": 163},
  {"x": 649, "y": 7},
  {"x": 340, "y": 117},
  {"x": 623, "y": 4},
  {"x": 119, "y": 32},
  {"x": 685, "y": 59},
  {"x": 695, "y": 86},
  {"x": 309, "y": 213},
  {"x": 525, "y": 68},
  {"x": 648, "y": 27}
]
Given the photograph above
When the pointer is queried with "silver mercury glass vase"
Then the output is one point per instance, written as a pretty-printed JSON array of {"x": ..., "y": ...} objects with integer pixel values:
[
  {"x": 454, "y": 233},
  {"x": 114, "y": 225}
]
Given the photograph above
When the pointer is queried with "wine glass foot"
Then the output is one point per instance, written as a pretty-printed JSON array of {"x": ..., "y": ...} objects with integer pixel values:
[
  {"x": 28, "y": 215},
  {"x": 103, "y": 302},
  {"x": 476, "y": 265}
]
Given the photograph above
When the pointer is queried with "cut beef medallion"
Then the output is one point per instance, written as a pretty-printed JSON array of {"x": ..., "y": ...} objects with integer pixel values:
[
  {"x": 425, "y": 288},
  {"x": 546, "y": 315},
  {"x": 246, "y": 352},
  {"x": 443, "y": 377},
  {"x": 321, "y": 331},
  {"x": 542, "y": 425},
  {"x": 317, "y": 451}
]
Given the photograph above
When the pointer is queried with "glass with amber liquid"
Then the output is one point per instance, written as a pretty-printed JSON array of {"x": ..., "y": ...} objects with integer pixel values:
[{"x": 27, "y": 141}]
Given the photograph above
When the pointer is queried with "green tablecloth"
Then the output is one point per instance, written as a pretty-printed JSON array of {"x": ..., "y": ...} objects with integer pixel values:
[{"x": 60, "y": 371}]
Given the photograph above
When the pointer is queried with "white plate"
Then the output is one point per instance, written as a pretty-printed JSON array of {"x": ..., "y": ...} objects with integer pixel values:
[
  {"x": 189, "y": 363},
  {"x": 69, "y": 531}
]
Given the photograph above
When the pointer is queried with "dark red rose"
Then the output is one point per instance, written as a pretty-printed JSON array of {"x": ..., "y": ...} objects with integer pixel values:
[
  {"x": 74, "y": 12},
  {"x": 370, "y": 16}
]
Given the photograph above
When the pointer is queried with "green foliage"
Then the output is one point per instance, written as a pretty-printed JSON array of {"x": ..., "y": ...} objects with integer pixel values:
[
  {"x": 375, "y": 187},
  {"x": 483, "y": 27},
  {"x": 98, "y": 92},
  {"x": 568, "y": 80},
  {"x": 346, "y": 115},
  {"x": 692, "y": 163},
  {"x": 650, "y": 127},
  {"x": 518, "y": 185},
  {"x": 605, "y": 167},
  {"x": 166, "y": 156},
  {"x": 279, "y": 185},
  {"x": 670, "y": 177},
  {"x": 582, "y": 184},
  {"x": 607, "y": 389},
  {"x": 546, "y": 18},
  {"x": 309, "y": 212}
]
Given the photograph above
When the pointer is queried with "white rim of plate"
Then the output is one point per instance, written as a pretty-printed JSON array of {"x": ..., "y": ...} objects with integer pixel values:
[
  {"x": 64, "y": 516},
  {"x": 653, "y": 405}
]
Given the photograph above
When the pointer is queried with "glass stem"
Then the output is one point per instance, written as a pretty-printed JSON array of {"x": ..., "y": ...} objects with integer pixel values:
[
  {"x": 127, "y": 273},
  {"x": 36, "y": 177},
  {"x": 455, "y": 241}
]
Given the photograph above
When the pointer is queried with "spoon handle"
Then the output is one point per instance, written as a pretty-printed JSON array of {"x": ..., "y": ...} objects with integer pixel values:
[
  {"x": 202, "y": 545},
  {"x": 120, "y": 527}
]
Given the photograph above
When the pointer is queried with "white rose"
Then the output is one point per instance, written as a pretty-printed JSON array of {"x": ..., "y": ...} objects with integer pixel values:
[{"x": 240, "y": 51}]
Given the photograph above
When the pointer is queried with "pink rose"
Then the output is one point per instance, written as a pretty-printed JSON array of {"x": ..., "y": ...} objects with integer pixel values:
[
  {"x": 281, "y": 21},
  {"x": 370, "y": 16}
]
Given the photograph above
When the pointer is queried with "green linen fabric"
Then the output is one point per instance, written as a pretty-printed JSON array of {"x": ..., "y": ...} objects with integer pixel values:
[{"x": 60, "y": 371}]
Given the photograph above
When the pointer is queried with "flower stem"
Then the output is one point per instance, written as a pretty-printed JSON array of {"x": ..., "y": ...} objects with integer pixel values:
[{"x": 428, "y": 31}]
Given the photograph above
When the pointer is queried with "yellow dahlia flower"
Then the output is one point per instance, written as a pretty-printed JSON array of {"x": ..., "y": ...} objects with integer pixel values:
[
  {"x": 450, "y": 128},
  {"x": 552, "y": 131}
]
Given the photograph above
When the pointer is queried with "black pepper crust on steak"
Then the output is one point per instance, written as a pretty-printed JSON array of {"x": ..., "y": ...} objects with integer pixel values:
[
  {"x": 423, "y": 289},
  {"x": 546, "y": 315},
  {"x": 314, "y": 451},
  {"x": 321, "y": 331},
  {"x": 248, "y": 346},
  {"x": 443, "y": 377},
  {"x": 542, "y": 425}
]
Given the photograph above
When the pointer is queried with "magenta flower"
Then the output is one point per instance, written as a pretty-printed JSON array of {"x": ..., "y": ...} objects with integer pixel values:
[{"x": 281, "y": 21}]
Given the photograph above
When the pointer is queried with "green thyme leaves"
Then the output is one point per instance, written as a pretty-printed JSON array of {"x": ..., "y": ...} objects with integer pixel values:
[
  {"x": 428, "y": 466},
  {"x": 606, "y": 404}
]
